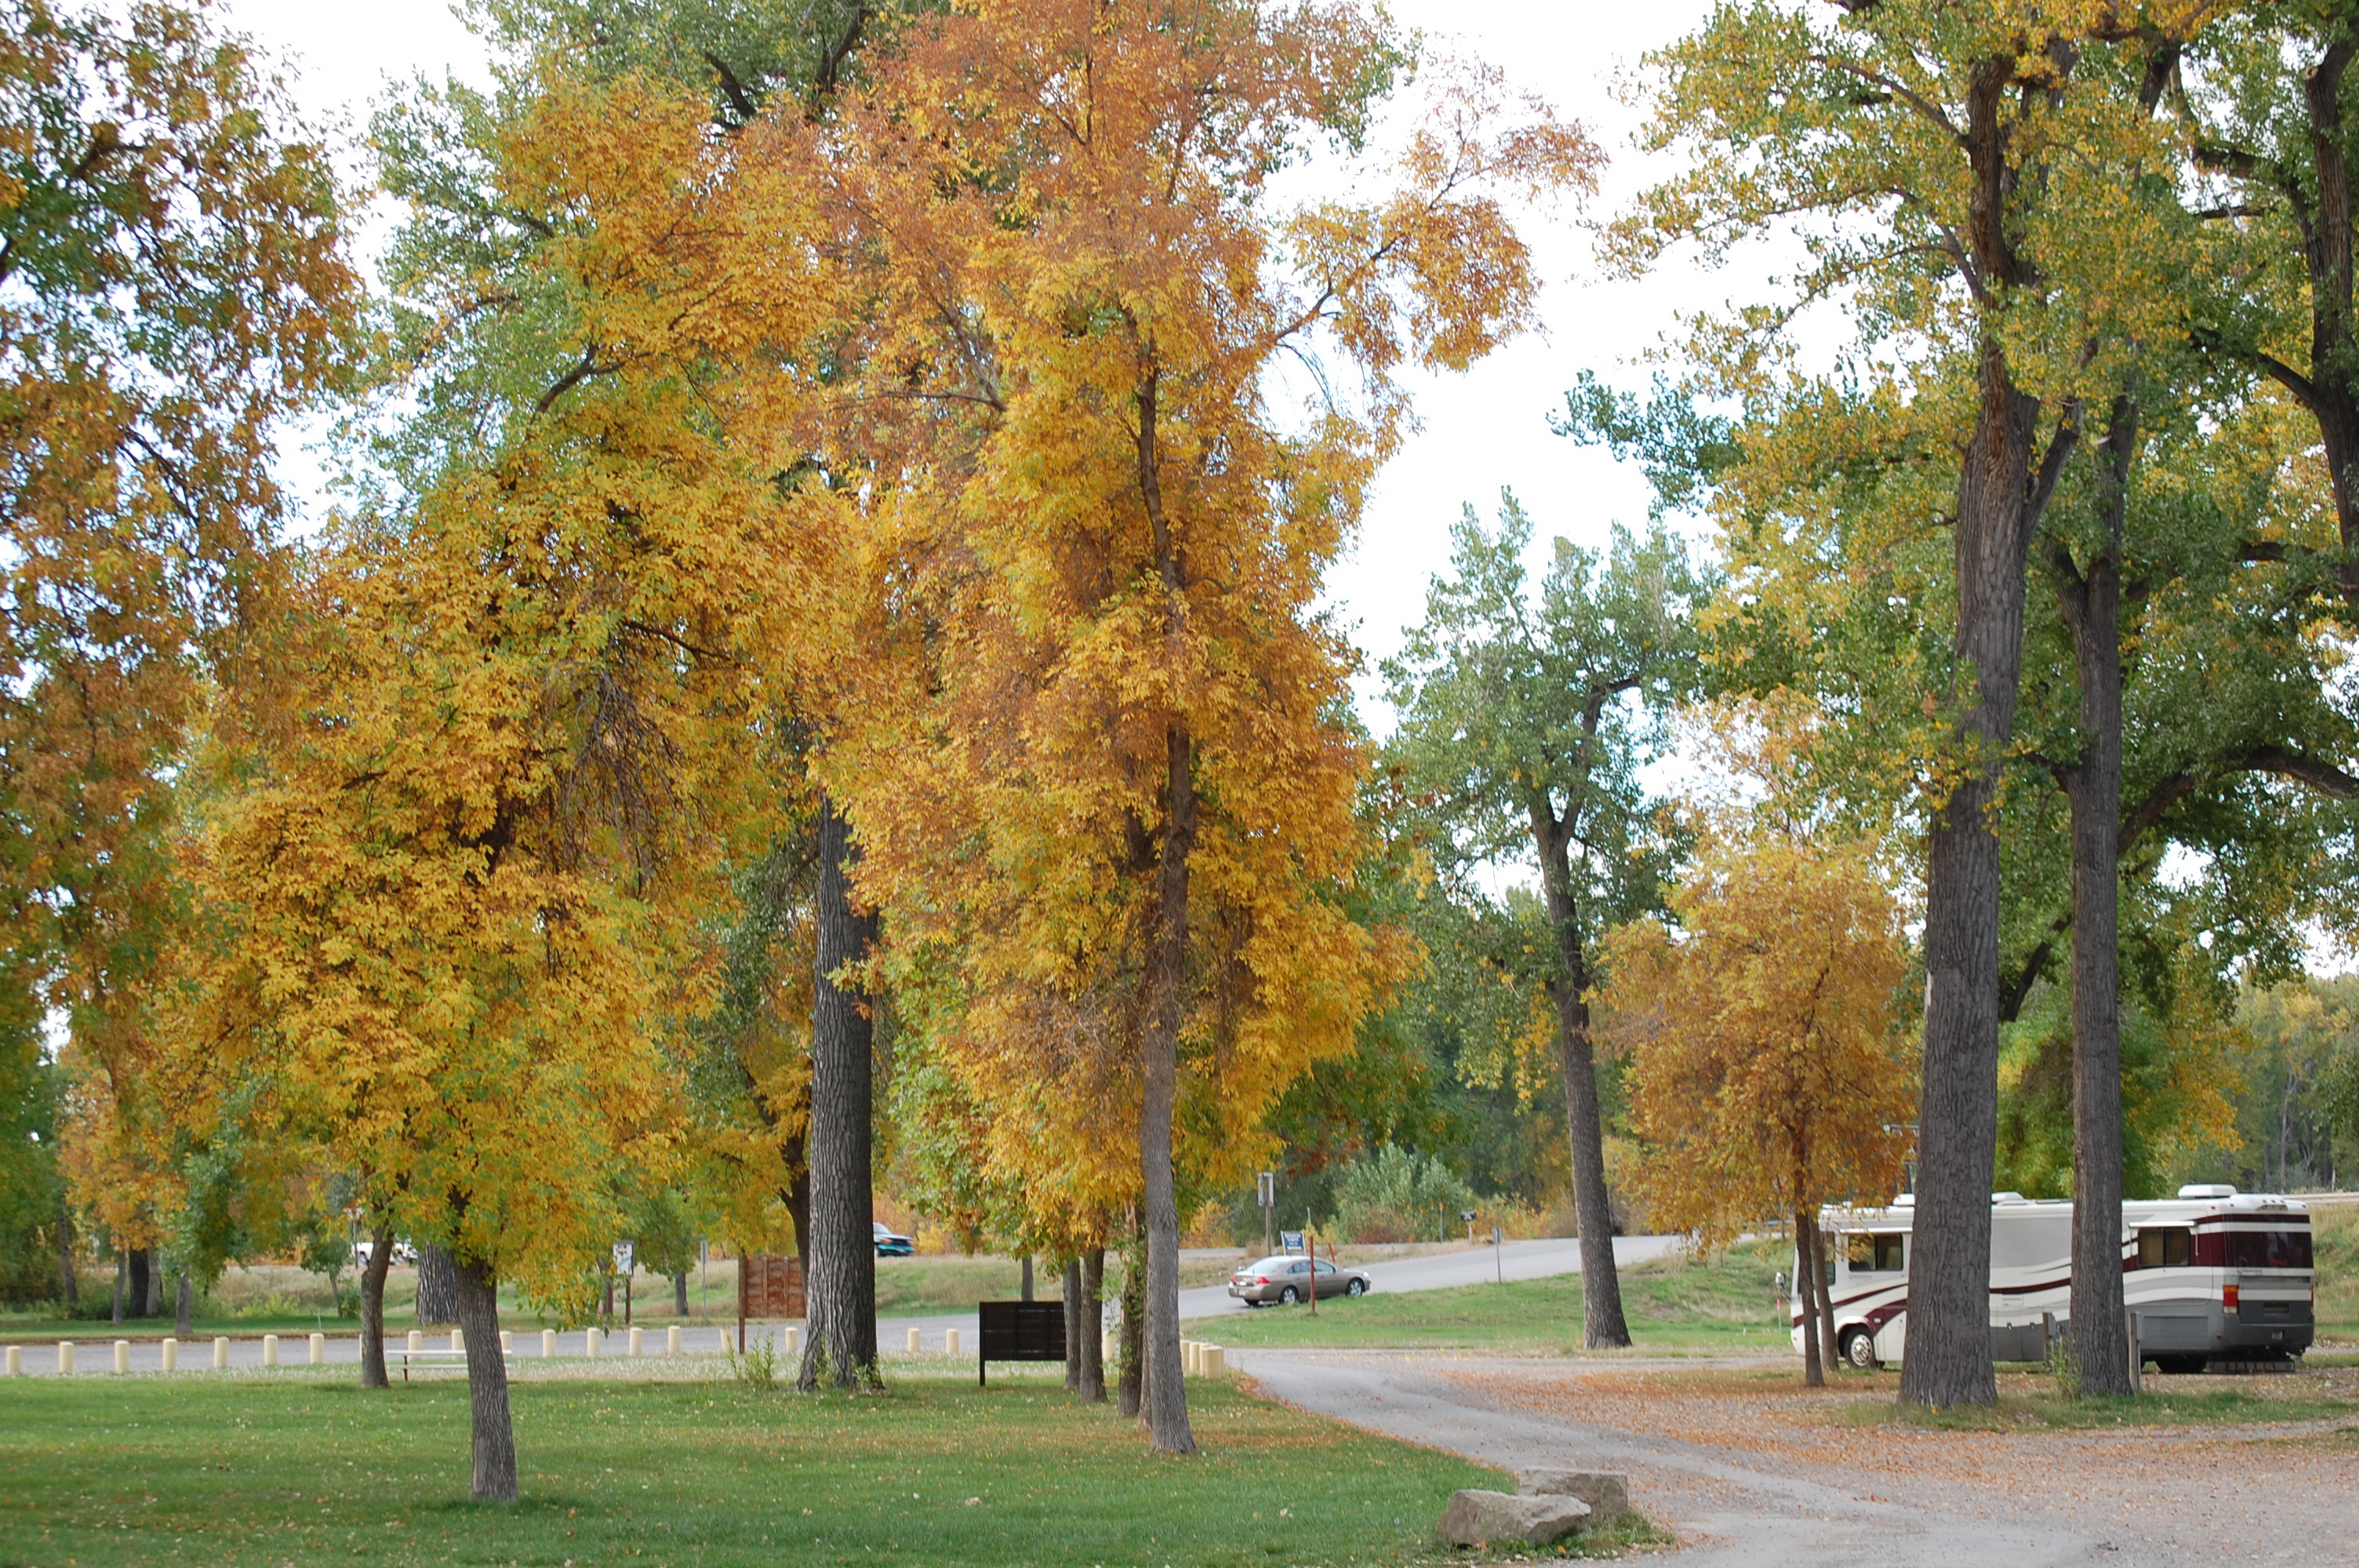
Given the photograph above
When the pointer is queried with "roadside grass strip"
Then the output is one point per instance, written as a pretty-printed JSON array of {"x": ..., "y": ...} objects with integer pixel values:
[
  {"x": 1675, "y": 1305},
  {"x": 252, "y": 1470}
]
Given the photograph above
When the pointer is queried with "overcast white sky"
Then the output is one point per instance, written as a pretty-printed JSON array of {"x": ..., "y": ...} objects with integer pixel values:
[{"x": 1482, "y": 430}]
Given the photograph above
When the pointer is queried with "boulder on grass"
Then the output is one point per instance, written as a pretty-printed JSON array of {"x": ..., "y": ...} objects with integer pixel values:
[
  {"x": 1480, "y": 1519},
  {"x": 1606, "y": 1492}
]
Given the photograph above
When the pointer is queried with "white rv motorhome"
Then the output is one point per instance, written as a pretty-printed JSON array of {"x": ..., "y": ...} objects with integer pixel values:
[{"x": 2213, "y": 1273}]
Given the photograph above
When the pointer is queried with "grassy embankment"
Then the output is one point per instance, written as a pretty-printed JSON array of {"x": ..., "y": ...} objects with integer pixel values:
[
  {"x": 1675, "y": 1305},
  {"x": 242, "y": 1470}
]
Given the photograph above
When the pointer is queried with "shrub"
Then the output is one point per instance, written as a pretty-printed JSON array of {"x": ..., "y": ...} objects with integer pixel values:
[{"x": 1395, "y": 1195}]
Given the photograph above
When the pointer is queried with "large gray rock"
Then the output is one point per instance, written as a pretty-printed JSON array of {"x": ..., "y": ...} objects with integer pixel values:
[
  {"x": 1606, "y": 1492},
  {"x": 1479, "y": 1519}
]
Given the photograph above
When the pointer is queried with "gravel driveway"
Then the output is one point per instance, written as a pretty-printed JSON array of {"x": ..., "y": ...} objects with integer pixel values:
[{"x": 1756, "y": 1471}]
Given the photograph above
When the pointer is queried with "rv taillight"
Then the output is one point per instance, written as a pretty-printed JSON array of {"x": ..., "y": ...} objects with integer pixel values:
[{"x": 2228, "y": 1295}]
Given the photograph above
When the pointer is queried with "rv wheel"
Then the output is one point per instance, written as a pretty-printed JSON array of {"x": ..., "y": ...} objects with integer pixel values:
[
  {"x": 1859, "y": 1349},
  {"x": 2178, "y": 1365}
]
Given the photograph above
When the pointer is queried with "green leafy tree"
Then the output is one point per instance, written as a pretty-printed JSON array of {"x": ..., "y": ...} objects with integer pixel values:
[{"x": 1525, "y": 720}]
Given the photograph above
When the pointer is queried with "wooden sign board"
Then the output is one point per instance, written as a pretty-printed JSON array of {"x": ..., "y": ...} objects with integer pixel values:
[
  {"x": 1020, "y": 1331},
  {"x": 769, "y": 1286}
]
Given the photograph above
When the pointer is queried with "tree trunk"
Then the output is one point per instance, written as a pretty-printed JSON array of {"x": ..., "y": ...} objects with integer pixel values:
[
  {"x": 2092, "y": 613},
  {"x": 373, "y": 1307},
  {"x": 2333, "y": 388},
  {"x": 1806, "y": 1296},
  {"x": 70, "y": 1286},
  {"x": 1167, "y": 954},
  {"x": 680, "y": 1293},
  {"x": 438, "y": 1287},
  {"x": 1130, "y": 1390},
  {"x": 1948, "y": 1360},
  {"x": 1603, "y": 1324},
  {"x": 1072, "y": 1299},
  {"x": 487, "y": 1383},
  {"x": 122, "y": 1268},
  {"x": 143, "y": 1284},
  {"x": 1823, "y": 1252},
  {"x": 1093, "y": 1316},
  {"x": 606, "y": 1292},
  {"x": 1024, "y": 1290},
  {"x": 841, "y": 1283},
  {"x": 184, "y": 1308}
]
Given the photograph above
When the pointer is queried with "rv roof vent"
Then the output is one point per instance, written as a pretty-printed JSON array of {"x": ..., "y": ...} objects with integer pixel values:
[
  {"x": 2008, "y": 1197},
  {"x": 1905, "y": 1200},
  {"x": 2206, "y": 1190}
]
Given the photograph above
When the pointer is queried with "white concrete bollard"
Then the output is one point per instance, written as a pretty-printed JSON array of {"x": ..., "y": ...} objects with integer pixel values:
[
  {"x": 318, "y": 1347},
  {"x": 1192, "y": 1363},
  {"x": 457, "y": 1340},
  {"x": 220, "y": 1352},
  {"x": 548, "y": 1343},
  {"x": 638, "y": 1341},
  {"x": 65, "y": 1355},
  {"x": 416, "y": 1341},
  {"x": 916, "y": 1342},
  {"x": 123, "y": 1356},
  {"x": 16, "y": 1360},
  {"x": 1105, "y": 1349},
  {"x": 171, "y": 1355},
  {"x": 271, "y": 1350},
  {"x": 1216, "y": 1361},
  {"x": 950, "y": 1341},
  {"x": 590, "y": 1339},
  {"x": 507, "y": 1341},
  {"x": 794, "y": 1342},
  {"x": 671, "y": 1340}
]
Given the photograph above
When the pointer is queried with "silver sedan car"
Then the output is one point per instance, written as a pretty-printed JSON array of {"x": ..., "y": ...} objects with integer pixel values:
[{"x": 1286, "y": 1280}]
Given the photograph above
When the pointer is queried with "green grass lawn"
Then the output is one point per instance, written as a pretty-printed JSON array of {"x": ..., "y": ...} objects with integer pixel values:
[
  {"x": 304, "y": 1469},
  {"x": 2335, "y": 1232},
  {"x": 1674, "y": 1306}
]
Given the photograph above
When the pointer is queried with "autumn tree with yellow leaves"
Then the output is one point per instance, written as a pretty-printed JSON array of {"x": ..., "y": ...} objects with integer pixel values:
[
  {"x": 1115, "y": 826},
  {"x": 1769, "y": 1062}
]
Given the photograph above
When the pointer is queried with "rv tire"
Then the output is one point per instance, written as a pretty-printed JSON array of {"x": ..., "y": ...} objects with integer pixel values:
[
  {"x": 1859, "y": 1349},
  {"x": 2179, "y": 1365}
]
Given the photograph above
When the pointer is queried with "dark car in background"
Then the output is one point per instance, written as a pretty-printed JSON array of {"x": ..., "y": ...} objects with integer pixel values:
[
  {"x": 890, "y": 1242},
  {"x": 1288, "y": 1279}
]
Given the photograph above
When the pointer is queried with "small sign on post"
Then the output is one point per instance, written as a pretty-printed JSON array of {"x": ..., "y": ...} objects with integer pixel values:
[
  {"x": 1289, "y": 1241},
  {"x": 768, "y": 1286},
  {"x": 1018, "y": 1331}
]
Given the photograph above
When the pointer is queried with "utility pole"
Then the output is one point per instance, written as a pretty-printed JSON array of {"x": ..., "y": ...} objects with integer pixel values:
[{"x": 1268, "y": 1184}]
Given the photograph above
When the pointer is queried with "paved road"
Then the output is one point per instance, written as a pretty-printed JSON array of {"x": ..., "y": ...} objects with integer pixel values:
[
  {"x": 1766, "y": 1496},
  {"x": 1430, "y": 1271}
]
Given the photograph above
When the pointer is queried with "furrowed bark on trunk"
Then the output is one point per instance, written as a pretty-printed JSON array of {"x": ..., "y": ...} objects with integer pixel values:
[
  {"x": 839, "y": 1286},
  {"x": 494, "y": 1433},
  {"x": 1166, "y": 1394},
  {"x": 680, "y": 1293},
  {"x": 1073, "y": 1297},
  {"x": 1093, "y": 1389},
  {"x": 380, "y": 1261},
  {"x": 1131, "y": 1389},
  {"x": 142, "y": 1282},
  {"x": 438, "y": 1286},
  {"x": 1948, "y": 1360},
  {"x": 184, "y": 1308},
  {"x": 1603, "y": 1322},
  {"x": 2092, "y": 609},
  {"x": 1806, "y": 1297}
]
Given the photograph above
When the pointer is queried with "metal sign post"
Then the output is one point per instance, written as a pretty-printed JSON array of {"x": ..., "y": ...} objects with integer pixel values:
[
  {"x": 624, "y": 1251},
  {"x": 1267, "y": 1183},
  {"x": 1311, "y": 1237},
  {"x": 1498, "y": 1257}
]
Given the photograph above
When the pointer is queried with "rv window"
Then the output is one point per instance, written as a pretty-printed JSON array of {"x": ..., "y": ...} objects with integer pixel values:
[
  {"x": 2165, "y": 1246},
  {"x": 1869, "y": 1252},
  {"x": 2268, "y": 1249}
]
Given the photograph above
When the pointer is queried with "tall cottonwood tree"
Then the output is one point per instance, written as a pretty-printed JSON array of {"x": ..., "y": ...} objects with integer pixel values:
[
  {"x": 1126, "y": 804},
  {"x": 1953, "y": 172},
  {"x": 1526, "y": 718}
]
